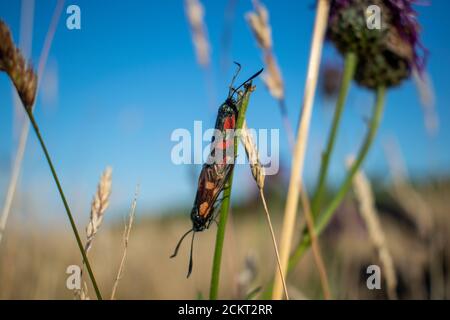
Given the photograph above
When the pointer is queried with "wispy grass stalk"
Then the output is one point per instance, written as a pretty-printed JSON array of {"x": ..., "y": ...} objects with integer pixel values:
[
  {"x": 224, "y": 209},
  {"x": 259, "y": 177},
  {"x": 126, "y": 238}
]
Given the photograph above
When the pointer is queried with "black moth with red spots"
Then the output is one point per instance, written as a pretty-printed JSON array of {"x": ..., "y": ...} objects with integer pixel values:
[{"x": 217, "y": 170}]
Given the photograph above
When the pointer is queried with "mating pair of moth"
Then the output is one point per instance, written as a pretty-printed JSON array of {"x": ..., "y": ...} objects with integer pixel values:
[{"x": 217, "y": 170}]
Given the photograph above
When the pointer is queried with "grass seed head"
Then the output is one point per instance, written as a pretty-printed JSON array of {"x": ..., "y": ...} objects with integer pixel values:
[
  {"x": 253, "y": 157},
  {"x": 195, "y": 14},
  {"x": 99, "y": 205},
  {"x": 13, "y": 63},
  {"x": 260, "y": 26},
  {"x": 259, "y": 23}
]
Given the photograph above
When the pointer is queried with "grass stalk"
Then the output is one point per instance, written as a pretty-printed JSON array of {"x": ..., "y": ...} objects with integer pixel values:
[
  {"x": 295, "y": 182},
  {"x": 326, "y": 215},
  {"x": 274, "y": 241},
  {"x": 63, "y": 198},
  {"x": 126, "y": 238},
  {"x": 258, "y": 174},
  {"x": 349, "y": 71},
  {"x": 224, "y": 209}
]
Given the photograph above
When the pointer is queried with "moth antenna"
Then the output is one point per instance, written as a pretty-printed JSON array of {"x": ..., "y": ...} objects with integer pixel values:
[
  {"x": 246, "y": 81},
  {"x": 190, "y": 256},
  {"x": 179, "y": 243},
  {"x": 234, "y": 77}
]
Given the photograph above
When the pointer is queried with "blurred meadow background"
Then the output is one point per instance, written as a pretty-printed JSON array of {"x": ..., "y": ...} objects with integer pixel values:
[{"x": 112, "y": 93}]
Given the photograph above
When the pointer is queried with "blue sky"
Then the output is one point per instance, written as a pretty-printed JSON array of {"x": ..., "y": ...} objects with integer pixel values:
[{"x": 129, "y": 77}]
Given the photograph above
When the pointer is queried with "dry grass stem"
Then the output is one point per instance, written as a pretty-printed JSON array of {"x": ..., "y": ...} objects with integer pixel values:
[
  {"x": 364, "y": 196},
  {"x": 195, "y": 14},
  {"x": 295, "y": 182},
  {"x": 260, "y": 25},
  {"x": 126, "y": 238},
  {"x": 315, "y": 246},
  {"x": 259, "y": 176}
]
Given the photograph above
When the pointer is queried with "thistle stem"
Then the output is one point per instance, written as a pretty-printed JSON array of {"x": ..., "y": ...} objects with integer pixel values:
[
  {"x": 224, "y": 209},
  {"x": 66, "y": 206},
  {"x": 349, "y": 71},
  {"x": 327, "y": 214}
]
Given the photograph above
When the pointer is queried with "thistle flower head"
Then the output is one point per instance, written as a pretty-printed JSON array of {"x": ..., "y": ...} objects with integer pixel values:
[
  {"x": 387, "y": 53},
  {"x": 13, "y": 63}
]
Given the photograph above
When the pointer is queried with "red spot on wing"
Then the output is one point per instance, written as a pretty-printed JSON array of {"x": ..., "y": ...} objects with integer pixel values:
[{"x": 229, "y": 123}]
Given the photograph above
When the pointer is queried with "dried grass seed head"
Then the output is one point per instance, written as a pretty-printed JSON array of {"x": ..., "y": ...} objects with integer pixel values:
[
  {"x": 253, "y": 156},
  {"x": 195, "y": 14},
  {"x": 260, "y": 26},
  {"x": 99, "y": 205},
  {"x": 259, "y": 23},
  {"x": 12, "y": 62}
]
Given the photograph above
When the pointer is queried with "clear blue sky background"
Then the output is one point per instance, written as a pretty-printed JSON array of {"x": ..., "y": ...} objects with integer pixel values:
[{"x": 129, "y": 77}]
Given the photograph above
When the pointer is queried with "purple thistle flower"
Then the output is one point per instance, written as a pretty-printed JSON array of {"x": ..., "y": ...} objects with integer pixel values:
[
  {"x": 405, "y": 21},
  {"x": 386, "y": 55}
]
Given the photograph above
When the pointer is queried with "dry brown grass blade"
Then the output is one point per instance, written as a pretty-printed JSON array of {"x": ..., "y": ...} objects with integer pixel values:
[
  {"x": 364, "y": 197},
  {"x": 259, "y": 176},
  {"x": 126, "y": 238},
  {"x": 295, "y": 182}
]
